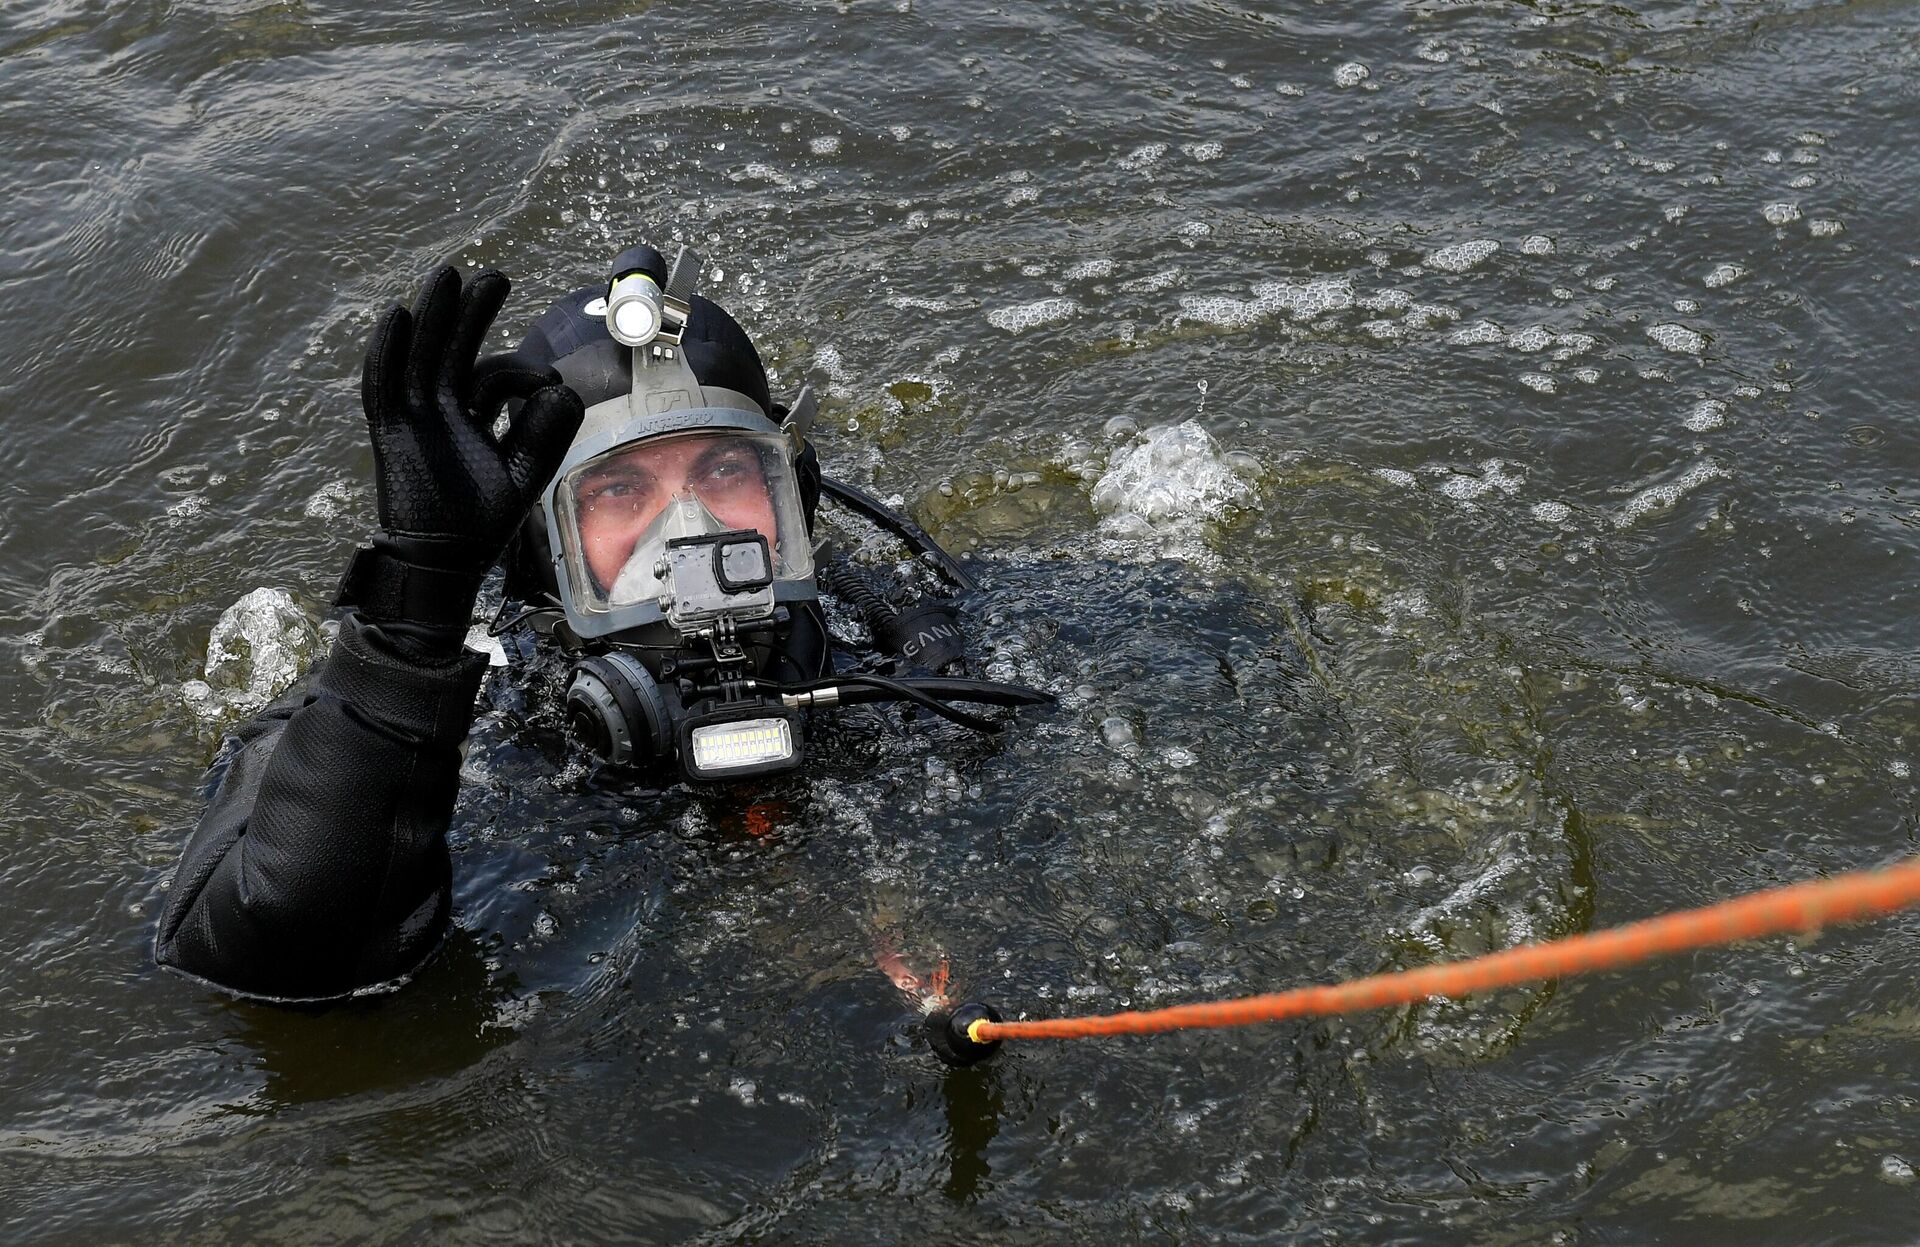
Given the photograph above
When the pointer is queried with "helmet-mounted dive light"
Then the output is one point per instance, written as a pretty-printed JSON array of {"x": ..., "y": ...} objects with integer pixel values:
[{"x": 639, "y": 309}]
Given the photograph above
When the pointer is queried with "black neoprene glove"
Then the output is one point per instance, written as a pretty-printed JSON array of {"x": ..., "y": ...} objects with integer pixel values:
[{"x": 450, "y": 494}]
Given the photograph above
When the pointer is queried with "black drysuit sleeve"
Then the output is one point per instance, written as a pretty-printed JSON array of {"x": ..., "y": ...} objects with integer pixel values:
[{"x": 320, "y": 867}]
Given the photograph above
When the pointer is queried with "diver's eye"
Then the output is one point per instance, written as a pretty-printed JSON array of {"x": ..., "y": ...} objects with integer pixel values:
[
  {"x": 730, "y": 469},
  {"x": 614, "y": 489}
]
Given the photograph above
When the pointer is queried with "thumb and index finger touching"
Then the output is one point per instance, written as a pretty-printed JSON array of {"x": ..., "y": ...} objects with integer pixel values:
[{"x": 413, "y": 355}]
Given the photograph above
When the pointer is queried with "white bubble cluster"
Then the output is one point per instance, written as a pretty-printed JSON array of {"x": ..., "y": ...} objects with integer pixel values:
[
  {"x": 1824, "y": 227},
  {"x": 1204, "y": 151},
  {"x": 1658, "y": 498},
  {"x": 1351, "y": 74},
  {"x": 824, "y": 145},
  {"x": 1174, "y": 478},
  {"x": 1707, "y": 415},
  {"x": 1536, "y": 244},
  {"x": 1395, "y": 476},
  {"x": 1725, "y": 274},
  {"x": 1536, "y": 338},
  {"x": 1027, "y": 316},
  {"x": 1143, "y": 156},
  {"x": 1781, "y": 213},
  {"x": 1152, "y": 282},
  {"x": 1552, "y": 512},
  {"x": 1462, "y": 256},
  {"x": 1300, "y": 300},
  {"x": 1494, "y": 475},
  {"x": 259, "y": 646},
  {"x": 1540, "y": 381},
  {"x": 1087, "y": 270},
  {"x": 1479, "y": 333},
  {"x": 1678, "y": 338}
]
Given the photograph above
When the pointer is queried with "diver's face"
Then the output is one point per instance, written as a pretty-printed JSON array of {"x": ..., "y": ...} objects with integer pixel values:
[{"x": 616, "y": 500}]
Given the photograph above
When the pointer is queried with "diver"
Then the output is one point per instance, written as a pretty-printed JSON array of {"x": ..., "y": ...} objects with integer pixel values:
[{"x": 653, "y": 511}]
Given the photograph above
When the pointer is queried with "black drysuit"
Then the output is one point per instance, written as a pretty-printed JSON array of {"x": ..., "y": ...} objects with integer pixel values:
[{"x": 320, "y": 866}]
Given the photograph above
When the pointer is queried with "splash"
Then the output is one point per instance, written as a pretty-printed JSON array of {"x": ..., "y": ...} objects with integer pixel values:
[
  {"x": 260, "y": 645},
  {"x": 1174, "y": 480}
]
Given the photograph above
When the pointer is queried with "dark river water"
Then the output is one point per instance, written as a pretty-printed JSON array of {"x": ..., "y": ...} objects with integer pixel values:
[{"x": 1453, "y": 461}]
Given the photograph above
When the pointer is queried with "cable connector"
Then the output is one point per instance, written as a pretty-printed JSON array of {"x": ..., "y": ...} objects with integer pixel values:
[{"x": 947, "y": 1034}]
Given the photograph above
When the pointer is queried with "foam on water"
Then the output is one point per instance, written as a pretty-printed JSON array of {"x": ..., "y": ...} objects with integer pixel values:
[
  {"x": 1302, "y": 301},
  {"x": 1555, "y": 513},
  {"x": 1707, "y": 415},
  {"x": 1027, "y": 316},
  {"x": 1204, "y": 152},
  {"x": 1781, "y": 213},
  {"x": 1536, "y": 244},
  {"x": 1152, "y": 282},
  {"x": 1724, "y": 275},
  {"x": 1479, "y": 333},
  {"x": 1462, "y": 256},
  {"x": 1351, "y": 74},
  {"x": 1143, "y": 156},
  {"x": 1678, "y": 338},
  {"x": 1540, "y": 381},
  {"x": 1658, "y": 498},
  {"x": 258, "y": 647},
  {"x": 1536, "y": 338},
  {"x": 1087, "y": 270},
  {"x": 1824, "y": 227}
]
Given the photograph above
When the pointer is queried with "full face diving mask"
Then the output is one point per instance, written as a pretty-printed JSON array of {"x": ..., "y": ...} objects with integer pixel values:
[
  {"x": 680, "y": 552},
  {"x": 682, "y": 563}
]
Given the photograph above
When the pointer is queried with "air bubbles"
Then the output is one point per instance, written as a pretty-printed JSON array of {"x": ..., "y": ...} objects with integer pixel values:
[
  {"x": 1530, "y": 340},
  {"x": 1479, "y": 333},
  {"x": 1143, "y": 156},
  {"x": 1540, "y": 381},
  {"x": 1824, "y": 227},
  {"x": 824, "y": 145},
  {"x": 1707, "y": 415},
  {"x": 1088, "y": 270},
  {"x": 1462, "y": 256},
  {"x": 1536, "y": 244},
  {"x": 1204, "y": 152},
  {"x": 1724, "y": 275},
  {"x": 1659, "y": 498},
  {"x": 1678, "y": 338},
  {"x": 1351, "y": 74},
  {"x": 1555, "y": 513},
  {"x": 1781, "y": 213},
  {"x": 1032, "y": 315}
]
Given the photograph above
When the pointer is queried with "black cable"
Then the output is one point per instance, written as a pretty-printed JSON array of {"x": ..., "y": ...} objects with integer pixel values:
[
  {"x": 890, "y": 689},
  {"x": 900, "y": 526}
]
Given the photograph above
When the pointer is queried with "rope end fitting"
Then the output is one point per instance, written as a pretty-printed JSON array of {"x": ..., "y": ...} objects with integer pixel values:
[{"x": 950, "y": 1034}]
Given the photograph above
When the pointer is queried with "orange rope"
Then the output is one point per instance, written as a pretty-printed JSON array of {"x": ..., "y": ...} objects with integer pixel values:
[{"x": 1798, "y": 907}]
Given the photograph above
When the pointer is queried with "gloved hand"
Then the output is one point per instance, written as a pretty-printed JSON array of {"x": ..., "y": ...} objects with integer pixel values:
[{"x": 450, "y": 494}]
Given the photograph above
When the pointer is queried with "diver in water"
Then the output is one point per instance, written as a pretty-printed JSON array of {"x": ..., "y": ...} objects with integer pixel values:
[{"x": 655, "y": 511}]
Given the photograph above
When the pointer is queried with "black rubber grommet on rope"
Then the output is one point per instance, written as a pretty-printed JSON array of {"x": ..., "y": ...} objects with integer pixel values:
[{"x": 947, "y": 1034}]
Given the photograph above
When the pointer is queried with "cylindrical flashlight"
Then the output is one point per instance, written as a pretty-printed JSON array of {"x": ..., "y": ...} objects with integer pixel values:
[{"x": 634, "y": 309}]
